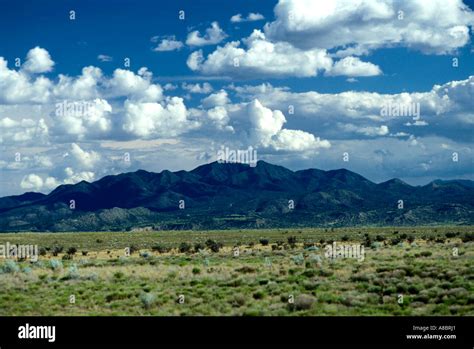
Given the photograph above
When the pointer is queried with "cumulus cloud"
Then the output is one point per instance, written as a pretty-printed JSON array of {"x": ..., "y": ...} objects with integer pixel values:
[
  {"x": 84, "y": 86},
  {"x": 267, "y": 130},
  {"x": 18, "y": 87},
  {"x": 38, "y": 60},
  {"x": 260, "y": 58},
  {"x": 251, "y": 17},
  {"x": 220, "y": 118},
  {"x": 219, "y": 98},
  {"x": 34, "y": 182},
  {"x": 134, "y": 86},
  {"x": 31, "y": 182},
  {"x": 445, "y": 107},
  {"x": 153, "y": 119},
  {"x": 353, "y": 66},
  {"x": 83, "y": 119},
  {"x": 432, "y": 27},
  {"x": 212, "y": 36},
  {"x": 73, "y": 177},
  {"x": 23, "y": 131},
  {"x": 169, "y": 44},
  {"x": 83, "y": 158}
]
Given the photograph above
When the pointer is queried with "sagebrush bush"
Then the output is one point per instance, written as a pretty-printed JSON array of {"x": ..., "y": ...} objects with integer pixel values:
[
  {"x": 10, "y": 266},
  {"x": 147, "y": 299},
  {"x": 55, "y": 264}
]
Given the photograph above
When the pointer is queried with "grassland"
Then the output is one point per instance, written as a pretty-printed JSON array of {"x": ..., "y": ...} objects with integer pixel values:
[{"x": 275, "y": 272}]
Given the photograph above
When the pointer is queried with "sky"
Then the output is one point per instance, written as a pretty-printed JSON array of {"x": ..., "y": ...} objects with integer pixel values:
[{"x": 383, "y": 88}]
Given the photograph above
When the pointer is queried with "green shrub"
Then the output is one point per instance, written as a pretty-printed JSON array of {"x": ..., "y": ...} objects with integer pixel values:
[
  {"x": 238, "y": 301},
  {"x": 184, "y": 247},
  {"x": 303, "y": 302},
  {"x": 291, "y": 240},
  {"x": 67, "y": 257},
  {"x": 259, "y": 295},
  {"x": 159, "y": 248},
  {"x": 198, "y": 246},
  {"x": 57, "y": 250},
  {"x": 213, "y": 245},
  {"x": 71, "y": 251}
]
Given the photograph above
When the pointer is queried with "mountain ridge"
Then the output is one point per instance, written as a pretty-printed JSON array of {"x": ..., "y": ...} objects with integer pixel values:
[{"x": 214, "y": 194}]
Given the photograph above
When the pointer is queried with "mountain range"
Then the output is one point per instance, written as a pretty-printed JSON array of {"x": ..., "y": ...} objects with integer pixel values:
[{"x": 223, "y": 195}]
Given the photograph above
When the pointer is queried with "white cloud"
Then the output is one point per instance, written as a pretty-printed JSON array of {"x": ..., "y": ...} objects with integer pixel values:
[
  {"x": 83, "y": 158},
  {"x": 261, "y": 58},
  {"x": 32, "y": 182},
  {"x": 38, "y": 60},
  {"x": 353, "y": 66},
  {"x": 433, "y": 27},
  {"x": 213, "y": 36},
  {"x": 23, "y": 131},
  {"x": 267, "y": 130},
  {"x": 92, "y": 119},
  {"x": 134, "y": 86},
  {"x": 445, "y": 108},
  {"x": 169, "y": 44},
  {"x": 155, "y": 120},
  {"x": 84, "y": 86},
  {"x": 219, "y": 98},
  {"x": 251, "y": 17},
  {"x": 220, "y": 118},
  {"x": 18, "y": 87},
  {"x": 205, "y": 88},
  {"x": 170, "y": 87},
  {"x": 73, "y": 177},
  {"x": 35, "y": 182},
  {"x": 370, "y": 131},
  {"x": 104, "y": 58}
]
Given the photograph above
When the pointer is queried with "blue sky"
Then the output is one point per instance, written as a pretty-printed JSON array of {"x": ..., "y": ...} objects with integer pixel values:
[{"x": 334, "y": 63}]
